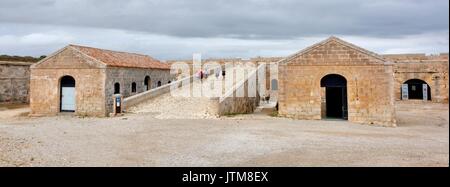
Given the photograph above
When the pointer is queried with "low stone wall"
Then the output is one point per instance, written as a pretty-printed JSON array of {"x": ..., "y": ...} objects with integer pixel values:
[
  {"x": 14, "y": 82},
  {"x": 145, "y": 96},
  {"x": 238, "y": 105},
  {"x": 232, "y": 103}
]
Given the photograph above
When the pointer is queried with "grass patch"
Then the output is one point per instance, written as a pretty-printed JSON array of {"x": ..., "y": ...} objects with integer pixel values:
[
  {"x": 231, "y": 114},
  {"x": 274, "y": 114}
]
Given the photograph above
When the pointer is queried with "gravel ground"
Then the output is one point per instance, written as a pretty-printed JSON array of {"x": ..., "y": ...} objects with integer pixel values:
[{"x": 422, "y": 139}]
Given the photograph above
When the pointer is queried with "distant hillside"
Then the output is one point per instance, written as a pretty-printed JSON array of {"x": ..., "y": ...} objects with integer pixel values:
[{"x": 20, "y": 58}]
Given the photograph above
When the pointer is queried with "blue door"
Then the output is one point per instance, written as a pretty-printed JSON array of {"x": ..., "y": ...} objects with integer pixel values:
[{"x": 68, "y": 99}]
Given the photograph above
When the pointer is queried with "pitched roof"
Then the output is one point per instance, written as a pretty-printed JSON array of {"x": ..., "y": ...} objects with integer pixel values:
[
  {"x": 335, "y": 39},
  {"x": 121, "y": 59}
]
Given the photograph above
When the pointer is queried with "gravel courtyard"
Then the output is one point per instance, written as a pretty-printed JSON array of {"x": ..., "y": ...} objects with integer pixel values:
[{"x": 421, "y": 139}]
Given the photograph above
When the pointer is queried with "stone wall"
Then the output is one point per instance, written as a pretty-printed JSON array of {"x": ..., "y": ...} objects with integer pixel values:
[
  {"x": 369, "y": 83},
  {"x": 89, "y": 91},
  {"x": 14, "y": 82},
  {"x": 243, "y": 98},
  {"x": 416, "y": 57},
  {"x": 434, "y": 74},
  {"x": 433, "y": 70},
  {"x": 368, "y": 92},
  {"x": 89, "y": 78},
  {"x": 126, "y": 76},
  {"x": 151, "y": 94}
]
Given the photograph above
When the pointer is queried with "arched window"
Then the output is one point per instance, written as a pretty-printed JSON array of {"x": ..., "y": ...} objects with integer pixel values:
[
  {"x": 159, "y": 83},
  {"x": 116, "y": 88},
  {"x": 169, "y": 82},
  {"x": 133, "y": 87},
  {"x": 274, "y": 84}
]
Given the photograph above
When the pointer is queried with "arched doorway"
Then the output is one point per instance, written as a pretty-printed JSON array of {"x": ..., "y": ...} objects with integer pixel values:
[
  {"x": 147, "y": 83},
  {"x": 416, "y": 89},
  {"x": 67, "y": 94},
  {"x": 335, "y": 88}
]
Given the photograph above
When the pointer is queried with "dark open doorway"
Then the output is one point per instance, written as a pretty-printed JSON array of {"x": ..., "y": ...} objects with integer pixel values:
[
  {"x": 334, "y": 104},
  {"x": 147, "y": 83},
  {"x": 417, "y": 89},
  {"x": 117, "y": 88},
  {"x": 335, "y": 96}
]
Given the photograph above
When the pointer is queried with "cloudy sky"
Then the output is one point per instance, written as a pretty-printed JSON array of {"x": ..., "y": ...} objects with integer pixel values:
[{"x": 174, "y": 29}]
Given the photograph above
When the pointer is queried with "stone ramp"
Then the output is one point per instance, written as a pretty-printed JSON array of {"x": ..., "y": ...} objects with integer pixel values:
[
  {"x": 173, "y": 105},
  {"x": 180, "y": 104}
]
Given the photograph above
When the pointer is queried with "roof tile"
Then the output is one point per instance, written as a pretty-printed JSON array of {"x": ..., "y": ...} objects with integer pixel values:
[{"x": 122, "y": 59}]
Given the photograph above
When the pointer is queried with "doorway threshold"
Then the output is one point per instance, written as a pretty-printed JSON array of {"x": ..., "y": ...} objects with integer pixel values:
[
  {"x": 333, "y": 119},
  {"x": 66, "y": 114}
]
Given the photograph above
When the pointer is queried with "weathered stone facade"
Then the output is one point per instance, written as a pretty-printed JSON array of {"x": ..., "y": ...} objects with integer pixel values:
[
  {"x": 369, "y": 79},
  {"x": 431, "y": 69},
  {"x": 14, "y": 82},
  {"x": 94, "y": 82},
  {"x": 127, "y": 76}
]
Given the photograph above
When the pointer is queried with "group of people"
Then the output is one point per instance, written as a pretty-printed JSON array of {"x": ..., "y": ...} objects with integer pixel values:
[{"x": 202, "y": 74}]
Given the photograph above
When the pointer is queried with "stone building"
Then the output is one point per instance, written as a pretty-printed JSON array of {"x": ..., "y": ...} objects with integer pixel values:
[
  {"x": 83, "y": 80},
  {"x": 14, "y": 82},
  {"x": 423, "y": 78},
  {"x": 336, "y": 79}
]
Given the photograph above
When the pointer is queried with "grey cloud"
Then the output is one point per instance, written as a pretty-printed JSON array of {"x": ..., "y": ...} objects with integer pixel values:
[
  {"x": 174, "y": 29},
  {"x": 243, "y": 19},
  {"x": 36, "y": 40}
]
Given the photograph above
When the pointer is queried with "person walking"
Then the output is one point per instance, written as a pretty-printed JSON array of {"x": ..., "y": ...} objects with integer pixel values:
[
  {"x": 217, "y": 74},
  {"x": 206, "y": 74}
]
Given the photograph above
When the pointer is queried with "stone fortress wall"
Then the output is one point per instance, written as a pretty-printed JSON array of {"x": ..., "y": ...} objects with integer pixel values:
[
  {"x": 14, "y": 82},
  {"x": 433, "y": 69}
]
